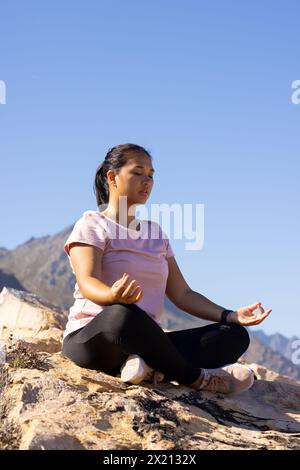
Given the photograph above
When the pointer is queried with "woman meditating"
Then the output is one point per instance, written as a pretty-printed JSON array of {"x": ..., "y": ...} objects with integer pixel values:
[{"x": 124, "y": 267}]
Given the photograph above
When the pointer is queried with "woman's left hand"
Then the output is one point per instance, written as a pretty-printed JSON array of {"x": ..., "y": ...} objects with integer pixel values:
[{"x": 245, "y": 316}]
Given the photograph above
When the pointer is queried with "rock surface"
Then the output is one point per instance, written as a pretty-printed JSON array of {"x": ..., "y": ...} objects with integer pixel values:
[
  {"x": 27, "y": 316},
  {"x": 47, "y": 402},
  {"x": 67, "y": 407}
]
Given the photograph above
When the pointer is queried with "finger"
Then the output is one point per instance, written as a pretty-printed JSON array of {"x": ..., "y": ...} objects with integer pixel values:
[
  {"x": 139, "y": 295},
  {"x": 258, "y": 319},
  {"x": 121, "y": 283},
  {"x": 136, "y": 295},
  {"x": 128, "y": 289},
  {"x": 254, "y": 306},
  {"x": 134, "y": 291},
  {"x": 264, "y": 314},
  {"x": 267, "y": 313},
  {"x": 124, "y": 278},
  {"x": 260, "y": 308}
]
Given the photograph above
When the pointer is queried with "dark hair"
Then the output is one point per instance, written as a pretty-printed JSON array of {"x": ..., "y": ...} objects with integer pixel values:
[{"x": 114, "y": 160}]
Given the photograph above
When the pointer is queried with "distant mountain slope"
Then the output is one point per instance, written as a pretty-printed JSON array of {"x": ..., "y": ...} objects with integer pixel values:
[
  {"x": 176, "y": 319},
  {"x": 41, "y": 266},
  {"x": 277, "y": 342},
  {"x": 260, "y": 353},
  {"x": 9, "y": 280}
]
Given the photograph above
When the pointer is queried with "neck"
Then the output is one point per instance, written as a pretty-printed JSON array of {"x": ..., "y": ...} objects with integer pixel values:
[{"x": 120, "y": 215}]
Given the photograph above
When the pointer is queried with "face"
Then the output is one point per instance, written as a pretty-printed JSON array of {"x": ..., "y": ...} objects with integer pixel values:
[{"x": 135, "y": 179}]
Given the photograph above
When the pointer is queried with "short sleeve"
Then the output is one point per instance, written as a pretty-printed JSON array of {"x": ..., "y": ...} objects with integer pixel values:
[
  {"x": 88, "y": 229},
  {"x": 169, "y": 251}
]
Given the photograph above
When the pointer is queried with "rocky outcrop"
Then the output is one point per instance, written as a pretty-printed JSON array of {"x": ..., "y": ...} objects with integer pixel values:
[
  {"x": 63, "y": 406},
  {"x": 40, "y": 266},
  {"x": 27, "y": 316},
  {"x": 47, "y": 402}
]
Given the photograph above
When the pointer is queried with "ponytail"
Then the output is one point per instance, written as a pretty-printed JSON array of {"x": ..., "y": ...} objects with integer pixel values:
[{"x": 101, "y": 185}]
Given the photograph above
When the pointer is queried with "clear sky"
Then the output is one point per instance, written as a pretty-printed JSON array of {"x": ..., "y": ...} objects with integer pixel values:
[{"x": 205, "y": 86}]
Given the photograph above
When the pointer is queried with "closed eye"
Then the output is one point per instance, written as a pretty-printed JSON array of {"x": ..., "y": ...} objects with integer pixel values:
[{"x": 141, "y": 174}]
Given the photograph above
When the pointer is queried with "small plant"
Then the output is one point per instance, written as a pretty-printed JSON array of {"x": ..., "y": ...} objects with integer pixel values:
[
  {"x": 22, "y": 355},
  {"x": 10, "y": 431},
  {"x": 3, "y": 378},
  {"x": 10, "y": 435}
]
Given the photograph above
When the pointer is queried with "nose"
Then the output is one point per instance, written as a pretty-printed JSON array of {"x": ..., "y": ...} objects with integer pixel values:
[{"x": 148, "y": 177}]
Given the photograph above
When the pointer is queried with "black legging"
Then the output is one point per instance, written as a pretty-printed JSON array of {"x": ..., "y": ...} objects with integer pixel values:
[{"x": 123, "y": 329}]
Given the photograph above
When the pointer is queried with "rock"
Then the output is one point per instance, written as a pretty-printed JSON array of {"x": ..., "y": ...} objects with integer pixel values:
[
  {"x": 27, "y": 316},
  {"x": 47, "y": 402},
  {"x": 63, "y": 406}
]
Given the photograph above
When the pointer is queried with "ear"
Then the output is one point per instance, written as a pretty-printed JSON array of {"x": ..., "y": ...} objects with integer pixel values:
[{"x": 111, "y": 177}]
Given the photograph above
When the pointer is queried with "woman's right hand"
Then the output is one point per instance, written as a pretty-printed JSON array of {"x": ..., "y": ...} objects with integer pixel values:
[{"x": 126, "y": 292}]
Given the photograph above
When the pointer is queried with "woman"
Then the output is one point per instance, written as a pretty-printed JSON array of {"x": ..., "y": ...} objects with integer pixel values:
[{"x": 123, "y": 268}]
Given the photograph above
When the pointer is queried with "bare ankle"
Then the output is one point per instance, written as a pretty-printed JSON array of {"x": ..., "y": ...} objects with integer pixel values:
[{"x": 198, "y": 381}]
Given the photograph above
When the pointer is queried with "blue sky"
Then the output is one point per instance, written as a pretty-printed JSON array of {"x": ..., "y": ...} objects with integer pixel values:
[{"x": 205, "y": 86}]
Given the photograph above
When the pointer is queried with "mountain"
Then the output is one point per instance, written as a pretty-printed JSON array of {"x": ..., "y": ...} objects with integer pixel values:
[
  {"x": 3, "y": 251},
  {"x": 176, "y": 319},
  {"x": 278, "y": 342},
  {"x": 41, "y": 266},
  {"x": 9, "y": 280},
  {"x": 260, "y": 353}
]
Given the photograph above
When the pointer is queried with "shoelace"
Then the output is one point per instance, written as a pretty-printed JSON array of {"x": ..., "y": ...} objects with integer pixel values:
[{"x": 214, "y": 381}]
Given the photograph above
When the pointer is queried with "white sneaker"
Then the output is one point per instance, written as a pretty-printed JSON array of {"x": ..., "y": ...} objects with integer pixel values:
[
  {"x": 235, "y": 378},
  {"x": 135, "y": 370}
]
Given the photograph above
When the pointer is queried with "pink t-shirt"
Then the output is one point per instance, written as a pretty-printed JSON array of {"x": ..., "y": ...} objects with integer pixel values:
[{"x": 142, "y": 254}]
